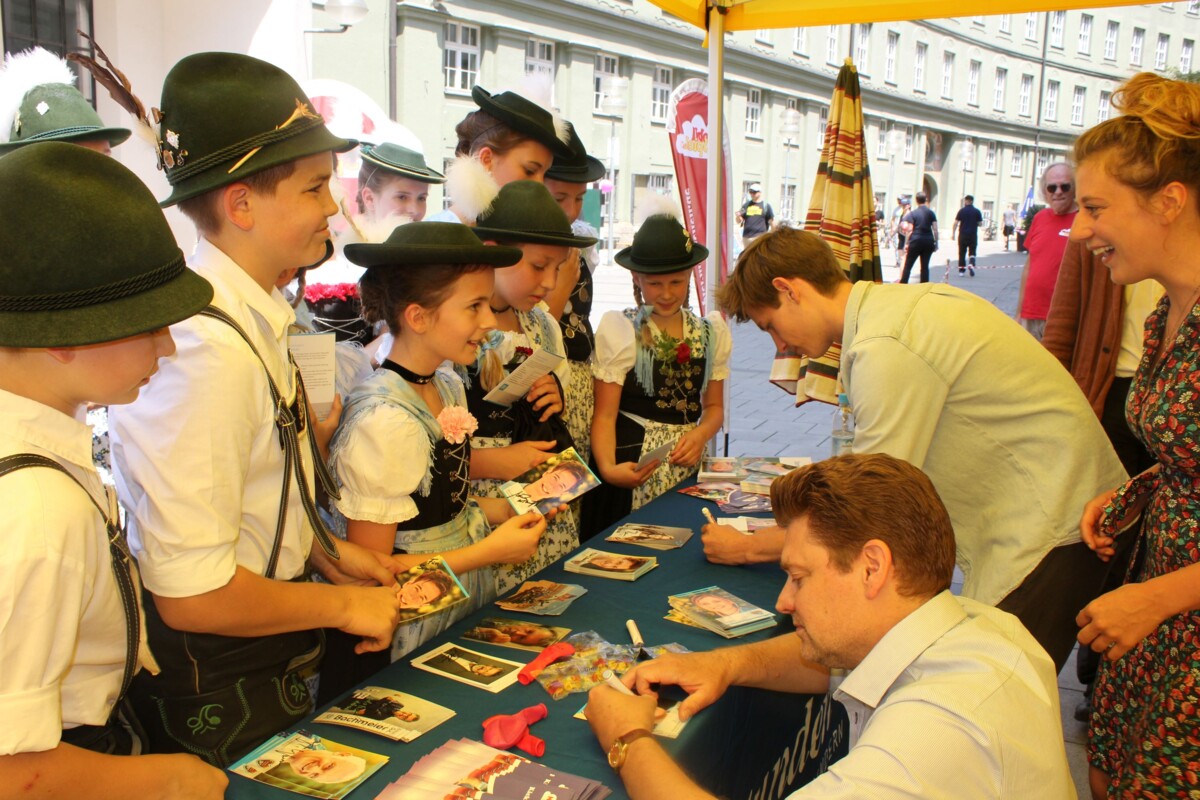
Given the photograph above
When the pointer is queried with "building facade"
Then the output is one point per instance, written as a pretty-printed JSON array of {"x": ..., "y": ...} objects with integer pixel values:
[
  {"x": 966, "y": 105},
  {"x": 978, "y": 105}
]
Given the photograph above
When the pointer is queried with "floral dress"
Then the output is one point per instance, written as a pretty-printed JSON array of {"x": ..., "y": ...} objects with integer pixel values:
[
  {"x": 662, "y": 391},
  {"x": 393, "y": 465},
  {"x": 1145, "y": 727},
  {"x": 496, "y": 423},
  {"x": 579, "y": 340}
]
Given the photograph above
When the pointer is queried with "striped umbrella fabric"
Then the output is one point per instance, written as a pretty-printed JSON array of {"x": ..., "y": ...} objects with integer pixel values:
[{"x": 842, "y": 212}]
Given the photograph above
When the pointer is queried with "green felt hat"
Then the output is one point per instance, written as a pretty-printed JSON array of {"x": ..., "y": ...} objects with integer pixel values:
[
  {"x": 660, "y": 246},
  {"x": 57, "y": 112},
  {"x": 226, "y": 116},
  {"x": 525, "y": 116},
  {"x": 86, "y": 255},
  {"x": 431, "y": 243},
  {"x": 579, "y": 167},
  {"x": 525, "y": 213},
  {"x": 400, "y": 160}
]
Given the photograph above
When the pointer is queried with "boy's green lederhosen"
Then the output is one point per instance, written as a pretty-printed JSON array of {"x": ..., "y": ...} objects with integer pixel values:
[{"x": 220, "y": 696}]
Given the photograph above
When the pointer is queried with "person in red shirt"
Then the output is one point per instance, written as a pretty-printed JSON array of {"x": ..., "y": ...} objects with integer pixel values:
[{"x": 1046, "y": 242}]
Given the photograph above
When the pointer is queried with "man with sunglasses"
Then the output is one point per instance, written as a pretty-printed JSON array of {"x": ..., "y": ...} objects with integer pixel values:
[{"x": 1046, "y": 241}]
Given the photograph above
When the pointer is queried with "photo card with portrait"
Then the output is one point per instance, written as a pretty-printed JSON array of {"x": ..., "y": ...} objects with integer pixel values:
[
  {"x": 545, "y": 598},
  {"x": 656, "y": 537},
  {"x": 721, "y": 612},
  {"x": 555, "y": 482},
  {"x": 520, "y": 634},
  {"x": 310, "y": 765},
  {"x": 616, "y": 566},
  {"x": 470, "y": 667},
  {"x": 428, "y": 588},
  {"x": 395, "y": 715}
]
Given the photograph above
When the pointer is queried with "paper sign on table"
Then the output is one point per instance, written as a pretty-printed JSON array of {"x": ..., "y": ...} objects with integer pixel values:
[
  {"x": 314, "y": 355},
  {"x": 518, "y": 382}
]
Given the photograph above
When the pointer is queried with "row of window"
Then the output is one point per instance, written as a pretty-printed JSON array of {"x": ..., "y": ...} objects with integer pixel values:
[{"x": 462, "y": 52}]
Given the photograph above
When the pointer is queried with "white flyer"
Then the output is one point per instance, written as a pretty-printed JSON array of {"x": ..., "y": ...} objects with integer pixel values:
[
  {"x": 314, "y": 355},
  {"x": 516, "y": 384}
]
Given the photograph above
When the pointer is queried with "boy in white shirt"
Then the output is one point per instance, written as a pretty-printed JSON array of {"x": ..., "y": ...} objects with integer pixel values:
[
  {"x": 90, "y": 280},
  {"x": 215, "y": 463}
]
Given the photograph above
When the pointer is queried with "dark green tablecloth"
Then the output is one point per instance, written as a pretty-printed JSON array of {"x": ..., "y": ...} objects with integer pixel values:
[{"x": 751, "y": 744}]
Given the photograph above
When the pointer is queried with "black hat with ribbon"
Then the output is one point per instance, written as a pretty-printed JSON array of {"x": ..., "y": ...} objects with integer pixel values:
[
  {"x": 87, "y": 255},
  {"x": 661, "y": 245},
  {"x": 579, "y": 167},
  {"x": 431, "y": 243},
  {"x": 226, "y": 116},
  {"x": 527, "y": 117}
]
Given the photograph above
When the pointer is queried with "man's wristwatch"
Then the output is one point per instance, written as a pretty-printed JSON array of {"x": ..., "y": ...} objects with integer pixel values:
[{"x": 620, "y": 747}]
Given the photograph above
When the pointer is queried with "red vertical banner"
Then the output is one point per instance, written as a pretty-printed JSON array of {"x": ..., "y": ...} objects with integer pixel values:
[{"x": 687, "y": 126}]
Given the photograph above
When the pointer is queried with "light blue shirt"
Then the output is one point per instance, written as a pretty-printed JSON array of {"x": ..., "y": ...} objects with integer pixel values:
[{"x": 956, "y": 701}]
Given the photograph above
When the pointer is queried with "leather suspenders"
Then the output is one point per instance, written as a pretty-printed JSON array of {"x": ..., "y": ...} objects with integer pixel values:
[
  {"x": 118, "y": 556},
  {"x": 288, "y": 421}
]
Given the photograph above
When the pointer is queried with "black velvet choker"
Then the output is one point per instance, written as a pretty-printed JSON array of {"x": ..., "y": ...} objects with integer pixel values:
[{"x": 407, "y": 374}]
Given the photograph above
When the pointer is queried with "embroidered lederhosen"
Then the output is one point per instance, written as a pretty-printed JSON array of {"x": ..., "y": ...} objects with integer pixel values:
[
  {"x": 112, "y": 738},
  {"x": 219, "y": 696}
]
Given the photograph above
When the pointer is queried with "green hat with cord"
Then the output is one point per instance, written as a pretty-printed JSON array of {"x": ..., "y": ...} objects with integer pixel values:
[
  {"x": 432, "y": 243},
  {"x": 527, "y": 117},
  {"x": 524, "y": 212},
  {"x": 661, "y": 245},
  {"x": 400, "y": 160},
  {"x": 86, "y": 255},
  {"x": 226, "y": 116},
  {"x": 578, "y": 167},
  {"x": 39, "y": 103}
]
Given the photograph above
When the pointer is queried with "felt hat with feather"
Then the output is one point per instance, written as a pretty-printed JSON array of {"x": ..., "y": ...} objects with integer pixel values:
[
  {"x": 661, "y": 245},
  {"x": 522, "y": 114},
  {"x": 402, "y": 161},
  {"x": 431, "y": 243},
  {"x": 39, "y": 103},
  {"x": 226, "y": 116},
  {"x": 86, "y": 255},
  {"x": 524, "y": 212},
  {"x": 579, "y": 167}
]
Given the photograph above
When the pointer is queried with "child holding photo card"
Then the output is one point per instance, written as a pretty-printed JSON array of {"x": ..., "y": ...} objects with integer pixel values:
[
  {"x": 401, "y": 455},
  {"x": 659, "y": 371},
  {"x": 510, "y": 440}
]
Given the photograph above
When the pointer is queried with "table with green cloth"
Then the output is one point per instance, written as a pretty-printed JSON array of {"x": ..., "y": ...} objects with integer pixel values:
[{"x": 751, "y": 744}]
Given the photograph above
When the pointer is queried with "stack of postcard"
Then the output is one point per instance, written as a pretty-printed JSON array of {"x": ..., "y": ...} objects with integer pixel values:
[
  {"x": 545, "y": 598},
  {"x": 656, "y": 537},
  {"x": 466, "y": 768},
  {"x": 470, "y": 667},
  {"x": 398, "y": 716},
  {"x": 310, "y": 765},
  {"x": 721, "y": 612},
  {"x": 609, "y": 565},
  {"x": 553, "y": 483},
  {"x": 721, "y": 468}
]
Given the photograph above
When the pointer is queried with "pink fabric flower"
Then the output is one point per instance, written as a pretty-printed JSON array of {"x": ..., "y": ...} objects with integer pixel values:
[{"x": 457, "y": 424}]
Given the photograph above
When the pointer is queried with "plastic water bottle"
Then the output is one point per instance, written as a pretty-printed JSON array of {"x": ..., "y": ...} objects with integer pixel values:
[{"x": 842, "y": 437}]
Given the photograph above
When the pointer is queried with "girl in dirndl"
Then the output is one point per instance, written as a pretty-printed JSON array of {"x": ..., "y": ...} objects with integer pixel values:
[
  {"x": 571, "y": 301},
  {"x": 511, "y": 440},
  {"x": 401, "y": 454},
  {"x": 659, "y": 373}
]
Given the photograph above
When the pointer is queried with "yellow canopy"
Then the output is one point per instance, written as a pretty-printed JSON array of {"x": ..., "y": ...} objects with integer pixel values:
[{"x": 746, "y": 15}]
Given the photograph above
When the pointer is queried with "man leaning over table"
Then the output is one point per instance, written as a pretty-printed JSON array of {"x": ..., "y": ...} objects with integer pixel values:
[
  {"x": 943, "y": 379},
  {"x": 945, "y": 696}
]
